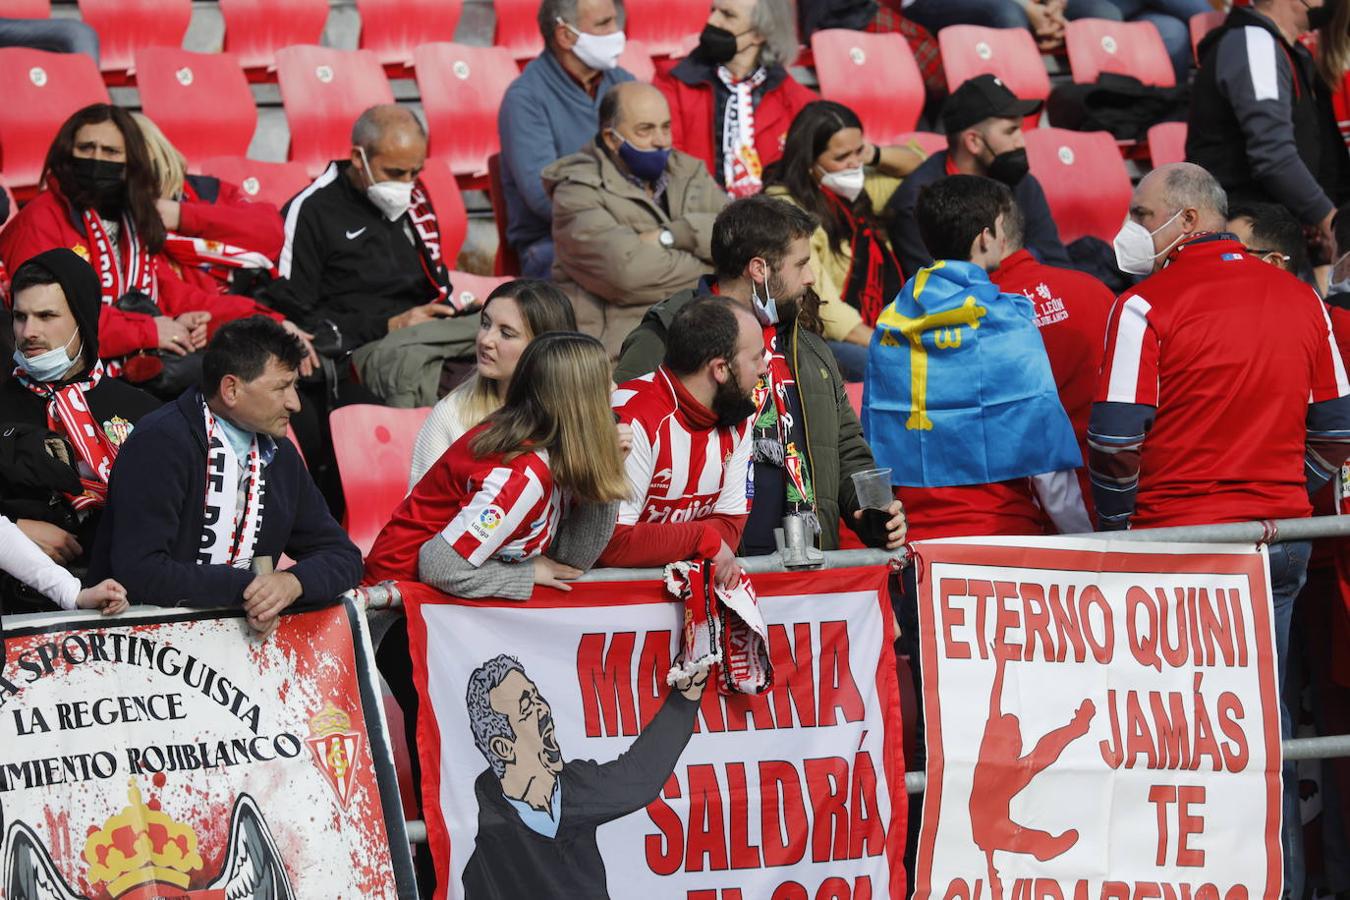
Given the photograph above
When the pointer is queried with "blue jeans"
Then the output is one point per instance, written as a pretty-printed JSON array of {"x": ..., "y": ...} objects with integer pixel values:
[
  {"x": 55, "y": 35},
  {"x": 1172, "y": 19},
  {"x": 1288, "y": 570},
  {"x": 536, "y": 260},
  {"x": 852, "y": 359},
  {"x": 936, "y": 14}
]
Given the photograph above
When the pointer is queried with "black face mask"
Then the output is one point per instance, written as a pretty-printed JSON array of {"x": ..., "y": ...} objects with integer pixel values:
[
  {"x": 1320, "y": 17},
  {"x": 716, "y": 45},
  {"x": 1010, "y": 167},
  {"x": 101, "y": 184}
]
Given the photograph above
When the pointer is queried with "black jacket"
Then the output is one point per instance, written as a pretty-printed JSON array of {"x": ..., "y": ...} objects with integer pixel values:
[
  {"x": 1261, "y": 120},
  {"x": 151, "y": 529},
  {"x": 510, "y": 861},
  {"x": 1040, "y": 234},
  {"x": 344, "y": 262}
]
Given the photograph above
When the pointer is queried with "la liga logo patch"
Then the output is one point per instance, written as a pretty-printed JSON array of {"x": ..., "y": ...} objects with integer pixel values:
[{"x": 487, "y": 521}]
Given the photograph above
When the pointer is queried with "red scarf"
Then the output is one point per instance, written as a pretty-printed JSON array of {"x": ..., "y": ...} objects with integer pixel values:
[
  {"x": 873, "y": 277},
  {"x": 428, "y": 229},
  {"x": 134, "y": 270},
  {"x": 68, "y": 413}
]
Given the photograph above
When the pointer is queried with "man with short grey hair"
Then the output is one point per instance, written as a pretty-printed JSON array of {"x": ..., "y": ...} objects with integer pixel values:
[
  {"x": 550, "y": 111},
  {"x": 732, "y": 99}
]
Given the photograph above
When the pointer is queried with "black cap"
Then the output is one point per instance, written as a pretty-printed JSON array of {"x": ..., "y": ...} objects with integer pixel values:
[{"x": 983, "y": 97}]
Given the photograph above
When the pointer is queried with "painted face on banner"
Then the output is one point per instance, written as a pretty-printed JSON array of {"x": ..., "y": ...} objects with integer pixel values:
[{"x": 536, "y": 743}]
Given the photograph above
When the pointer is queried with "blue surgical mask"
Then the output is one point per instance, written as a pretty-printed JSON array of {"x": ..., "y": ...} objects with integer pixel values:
[
  {"x": 645, "y": 164},
  {"x": 51, "y": 365}
]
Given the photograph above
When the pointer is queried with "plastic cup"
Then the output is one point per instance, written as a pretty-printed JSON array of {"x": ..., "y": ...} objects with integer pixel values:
[{"x": 874, "y": 488}]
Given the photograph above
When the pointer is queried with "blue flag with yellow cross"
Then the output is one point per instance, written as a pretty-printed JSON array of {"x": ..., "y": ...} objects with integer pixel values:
[{"x": 958, "y": 387}]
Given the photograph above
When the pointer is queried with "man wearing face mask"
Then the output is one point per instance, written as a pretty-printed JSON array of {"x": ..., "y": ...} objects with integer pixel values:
[
  {"x": 1261, "y": 119},
  {"x": 807, "y": 440},
  {"x": 550, "y": 111},
  {"x": 632, "y": 218},
  {"x": 361, "y": 266},
  {"x": 732, "y": 99},
  {"x": 983, "y": 121},
  {"x": 62, "y": 419}
]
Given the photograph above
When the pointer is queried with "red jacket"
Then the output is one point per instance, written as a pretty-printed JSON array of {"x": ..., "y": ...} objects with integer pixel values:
[
  {"x": 689, "y": 89},
  {"x": 48, "y": 221},
  {"x": 218, "y": 211}
]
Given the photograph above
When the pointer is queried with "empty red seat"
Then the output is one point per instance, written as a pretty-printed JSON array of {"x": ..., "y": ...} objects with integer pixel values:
[
  {"x": 440, "y": 185},
  {"x": 506, "y": 261},
  {"x": 373, "y": 445},
  {"x": 874, "y": 75},
  {"x": 324, "y": 91},
  {"x": 1125, "y": 48},
  {"x": 201, "y": 101},
  {"x": 637, "y": 59},
  {"x": 1202, "y": 24},
  {"x": 266, "y": 182},
  {"x": 1084, "y": 178},
  {"x": 517, "y": 28},
  {"x": 462, "y": 88},
  {"x": 26, "y": 9},
  {"x": 10, "y": 202},
  {"x": 392, "y": 29},
  {"x": 125, "y": 26},
  {"x": 42, "y": 90},
  {"x": 1009, "y": 53},
  {"x": 664, "y": 25},
  {"x": 1167, "y": 143},
  {"x": 256, "y": 29}
]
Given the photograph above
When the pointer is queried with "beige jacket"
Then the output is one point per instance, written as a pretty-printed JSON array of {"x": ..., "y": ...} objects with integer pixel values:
[{"x": 612, "y": 275}]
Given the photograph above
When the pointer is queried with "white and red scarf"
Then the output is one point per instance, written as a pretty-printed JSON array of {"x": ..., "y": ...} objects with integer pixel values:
[
  {"x": 428, "y": 229},
  {"x": 200, "y": 253},
  {"x": 132, "y": 270},
  {"x": 233, "y": 510},
  {"x": 68, "y": 414},
  {"x": 779, "y": 437},
  {"x": 722, "y": 628},
  {"x": 741, "y": 166}
]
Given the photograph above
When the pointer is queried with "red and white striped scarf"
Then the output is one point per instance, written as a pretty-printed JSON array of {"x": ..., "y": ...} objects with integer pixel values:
[
  {"x": 428, "y": 228},
  {"x": 132, "y": 270},
  {"x": 741, "y": 166},
  {"x": 722, "y": 628},
  {"x": 233, "y": 504},
  {"x": 68, "y": 413},
  {"x": 200, "y": 253}
]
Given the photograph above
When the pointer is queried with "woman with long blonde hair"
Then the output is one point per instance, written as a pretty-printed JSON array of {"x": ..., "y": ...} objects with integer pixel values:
[{"x": 542, "y": 474}]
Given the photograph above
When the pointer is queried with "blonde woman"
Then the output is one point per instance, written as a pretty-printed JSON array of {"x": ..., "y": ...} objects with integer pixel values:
[
  {"x": 480, "y": 521},
  {"x": 513, "y": 315}
]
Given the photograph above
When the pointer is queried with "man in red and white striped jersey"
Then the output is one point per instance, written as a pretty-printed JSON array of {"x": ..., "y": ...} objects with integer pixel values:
[{"x": 689, "y": 462}]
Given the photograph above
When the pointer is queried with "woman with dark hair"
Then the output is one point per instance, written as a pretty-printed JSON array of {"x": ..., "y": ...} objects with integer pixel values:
[
  {"x": 513, "y": 315},
  {"x": 829, "y": 170},
  {"x": 100, "y": 201}
]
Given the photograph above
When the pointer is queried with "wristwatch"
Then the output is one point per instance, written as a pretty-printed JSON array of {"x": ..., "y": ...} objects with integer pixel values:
[{"x": 666, "y": 238}]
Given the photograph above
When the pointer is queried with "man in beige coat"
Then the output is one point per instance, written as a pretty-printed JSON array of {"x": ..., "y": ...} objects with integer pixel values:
[{"x": 632, "y": 218}]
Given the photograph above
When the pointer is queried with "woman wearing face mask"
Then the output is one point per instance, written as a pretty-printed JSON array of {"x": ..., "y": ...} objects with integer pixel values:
[
  {"x": 514, "y": 314},
  {"x": 100, "y": 200},
  {"x": 829, "y": 170}
]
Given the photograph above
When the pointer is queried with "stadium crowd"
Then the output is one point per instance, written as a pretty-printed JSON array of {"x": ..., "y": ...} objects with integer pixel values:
[{"x": 711, "y": 265}]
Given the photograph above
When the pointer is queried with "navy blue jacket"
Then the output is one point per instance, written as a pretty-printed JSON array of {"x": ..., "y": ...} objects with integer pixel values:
[{"x": 149, "y": 535}]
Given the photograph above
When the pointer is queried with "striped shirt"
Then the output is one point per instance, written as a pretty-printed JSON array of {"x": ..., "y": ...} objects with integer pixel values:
[{"x": 485, "y": 508}]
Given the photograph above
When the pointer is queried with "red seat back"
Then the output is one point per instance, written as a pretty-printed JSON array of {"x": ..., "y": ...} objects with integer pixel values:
[
  {"x": 1125, "y": 48},
  {"x": 637, "y": 59},
  {"x": 928, "y": 141},
  {"x": 324, "y": 91},
  {"x": 392, "y": 29},
  {"x": 373, "y": 446},
  {"x": 440, "y": 184},
  {"x": 1167, "y": 143},
  {"x": 506, "y": 262},
  {"x": 1202, "y": 24},
  {"x": 874, "y": 75},
  {"x": 26, "y": 9},
  {"x": 518, "y": 28},
  {"x": 201, "y": 101},
  {"x": 42, "y": 90},
  {"x": 664, "y": 25},
  {"x": 125, "y": 26},
  {"x": 1009, "y": 53},
  {"x": 265, "y": 182},
  {"x": 1084, "y": 178},
  {"x": 256, "y": 29},
  {"x": 462, "y": 89}
]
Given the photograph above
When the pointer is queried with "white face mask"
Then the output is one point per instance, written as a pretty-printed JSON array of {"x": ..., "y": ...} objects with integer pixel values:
[
  {"x": 1341, "y": 285},
  {"x": 847, "y": 183},
  {"x": 1134, "y": 246},
  {"x": 599, "y": 51},
  {"x": 49, "y": 366},
  {"x": 390, "y": 197},
  {"x": 766, "y": 310}
]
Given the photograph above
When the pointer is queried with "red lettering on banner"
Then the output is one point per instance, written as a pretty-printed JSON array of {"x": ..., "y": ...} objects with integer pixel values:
[
  {"x": 653, "y": 665},
  {"x": 782, "y": 814},
  {"x": 1162, "y": 796},
  {"x": 866, "y": 833},
  {"x": 838, "y": 690},
  {"x": 1047, "y": 889},
  {"x": 1036, "y": 620},
  {"x": 744, "y": 855},
  {"x": 1235, "y": 755},
  {"x": 607, "y": 687},
  {"x": 981, "y": 592},
  {"x": 705, "y": 821},
  {"x": 1005, "y": 619},
  {"x": 827, "y": 784},
  {"x": 1089, "y": 597},
  {"x": 665, "y": 850},
  {"x": 790, "y": 890},
  {"x": 1166, "y": 740},
  {"x": 1067, "y": 630},
  {"x": 793, "y": 675},
  {"x": 952, "y": 616},
  {"x": 1215, "y": 623}
]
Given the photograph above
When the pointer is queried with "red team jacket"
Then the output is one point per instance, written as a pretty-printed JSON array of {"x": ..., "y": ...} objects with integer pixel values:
[{"x": 230, "y": 218}]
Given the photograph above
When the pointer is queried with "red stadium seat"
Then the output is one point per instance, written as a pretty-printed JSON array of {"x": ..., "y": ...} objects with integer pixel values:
[
  {"x": 125, "y": 26},
  {"x": 874, "y": 75},
  {"x": 929, "y": 142},
  {"x": 374, "y": 446},
  {"x": 439, "y": 181},
  {"x": 1125, "y": 48},
  {"x": 324, "y": 91},
  {"x": 462, "y": 88},
  {"x": 518, "y": 28},
  {"x": 266, "y": 182},
  {"x": 26, "y": 9},
  {"x": 42, "y": 90},
  {"x": 256, "y": 29},
  {"x": 11, "y": 203},
  {"x": 664, "y": 25},
  {"x": 392, "y": 29},
  {"x": 201, "y": 101},
  {"x": 637, "y": 59},
  {"x": 1167, "y": 143},
  {"x": 1009, "y": 53},
  {"x": 471, "y": 290},
  {"x": 1085, "y": 180},
  {"x": 1202, "y": 24},
  {"x": 506, "y": 263}
]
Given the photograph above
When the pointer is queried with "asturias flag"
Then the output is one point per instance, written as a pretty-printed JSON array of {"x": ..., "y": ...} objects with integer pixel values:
[{"x": 959, "y": 389}]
